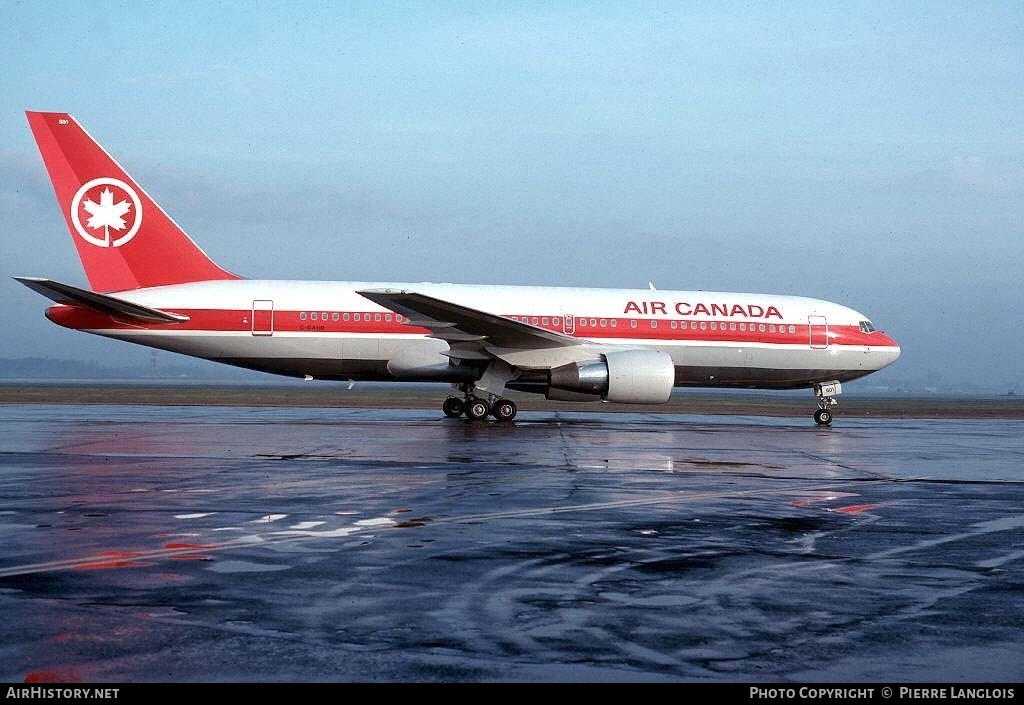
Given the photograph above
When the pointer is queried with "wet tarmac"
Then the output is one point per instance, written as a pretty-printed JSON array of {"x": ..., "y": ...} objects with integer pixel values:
[{"x": 191, "y": 543}]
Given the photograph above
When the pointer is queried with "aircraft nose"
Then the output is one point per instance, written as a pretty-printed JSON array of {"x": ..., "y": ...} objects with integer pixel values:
[{"x": 887, "y": 350}]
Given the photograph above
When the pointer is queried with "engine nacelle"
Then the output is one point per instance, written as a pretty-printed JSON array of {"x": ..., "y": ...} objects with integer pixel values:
[{"x": 625, "y": 376}]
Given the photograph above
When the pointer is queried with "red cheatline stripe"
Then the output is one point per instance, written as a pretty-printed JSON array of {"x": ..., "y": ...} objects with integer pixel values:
[{"x": 240, "y": 321}]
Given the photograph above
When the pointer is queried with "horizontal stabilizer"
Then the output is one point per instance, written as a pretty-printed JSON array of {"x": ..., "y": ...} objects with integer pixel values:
[{"x": 104, "y": 303}]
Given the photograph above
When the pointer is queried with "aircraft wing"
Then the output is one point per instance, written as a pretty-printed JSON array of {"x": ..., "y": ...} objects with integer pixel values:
[
  {"x": 460, "y": 324},
  {"x": 104, "y": 303}
]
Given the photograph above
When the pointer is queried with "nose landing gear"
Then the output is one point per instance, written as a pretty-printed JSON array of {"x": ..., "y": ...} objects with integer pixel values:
[{"x": 826, "y": 393}]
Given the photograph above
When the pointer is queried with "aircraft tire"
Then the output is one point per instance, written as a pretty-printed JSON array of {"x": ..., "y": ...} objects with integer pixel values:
[
  {"x": 476, "y": 409},
  {"x": 504, "y": 410},
  {"x": 453, "y": 407}
]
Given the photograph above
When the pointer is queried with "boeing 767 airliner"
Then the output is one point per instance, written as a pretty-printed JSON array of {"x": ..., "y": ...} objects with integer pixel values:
[{"x": 150, "y": 284}]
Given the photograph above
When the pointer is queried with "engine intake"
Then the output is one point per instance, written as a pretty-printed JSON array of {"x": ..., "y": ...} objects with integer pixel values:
[{"x": 625, "y": 376}]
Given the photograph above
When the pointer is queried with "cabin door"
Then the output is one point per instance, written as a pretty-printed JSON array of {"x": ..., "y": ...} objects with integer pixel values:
[
  {"x": 819, "y": 332},
  {"x": 262, "y": 317}
]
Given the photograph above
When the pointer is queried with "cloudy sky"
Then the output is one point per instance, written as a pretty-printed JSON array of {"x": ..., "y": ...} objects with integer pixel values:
[{"x": 866, "y": 153}]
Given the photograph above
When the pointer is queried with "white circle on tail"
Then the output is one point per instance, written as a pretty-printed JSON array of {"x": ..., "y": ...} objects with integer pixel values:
[{"x": 109, "y": 211}]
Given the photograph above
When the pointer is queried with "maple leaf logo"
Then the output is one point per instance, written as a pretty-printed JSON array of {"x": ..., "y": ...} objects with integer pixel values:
[
  {"x": 117, "y": 216},
  {"x": 106, "y": 214}
]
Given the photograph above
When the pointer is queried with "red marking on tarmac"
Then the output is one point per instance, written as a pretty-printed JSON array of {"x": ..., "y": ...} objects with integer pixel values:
[
  {"x": 119, "y": 559},
  {"x": 53, "y": 675},
  {"x": 859, "y": 508},
  {"x": 105, "y": 565}
]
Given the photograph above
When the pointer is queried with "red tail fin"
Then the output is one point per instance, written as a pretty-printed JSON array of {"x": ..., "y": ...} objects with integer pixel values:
[{"x": 124, "y": 239}]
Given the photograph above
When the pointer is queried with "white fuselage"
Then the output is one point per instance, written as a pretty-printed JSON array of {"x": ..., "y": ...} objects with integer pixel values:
[{"x": 327, "y": 330}]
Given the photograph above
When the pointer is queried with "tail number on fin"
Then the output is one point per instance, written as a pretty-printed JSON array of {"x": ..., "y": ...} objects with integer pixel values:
[{"x": 114, "y": 212}]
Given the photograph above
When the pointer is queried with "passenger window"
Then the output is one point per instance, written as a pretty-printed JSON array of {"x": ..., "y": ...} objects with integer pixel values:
[
  {"x": 792, "y": 329},
  {"x": 732, "y": 325},
  {"x": 604, "y": 322},
  {"x": 355, "y": 317},
  {"x": 771, "y": 329},
  {"x": 760, "y": 327},
  {"x": 376, "y": 317},
  {"x": 693, "y": 325},
  {"x": 714, "y": 326},
  {"x": 703, "y": 325},
  {"x": 743, "y": 327},
  {"x": 387, "y": 318},
  {"x": 654, "y": 324},
  {"x": 632, "y": 323},
  {"x": 345, "y": 317},
  {"x": 323, "y": 316},
  {"x": 534, "y": 320},
  {"x": 673, "y": 325},
  {"x": 302, "y": 316},
  {"x": 312, "y": 316},
  {"x": 544, "y": 321},
  {"x": 593, "y": 322},
  {"x": 614, "y": 323}
]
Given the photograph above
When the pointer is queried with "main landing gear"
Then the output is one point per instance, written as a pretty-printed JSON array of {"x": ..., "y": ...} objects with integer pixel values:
[
  {"x": 826, "y": 393},
  {"x": 490, "y": 387},
  {"x": 475, "y": 408}
]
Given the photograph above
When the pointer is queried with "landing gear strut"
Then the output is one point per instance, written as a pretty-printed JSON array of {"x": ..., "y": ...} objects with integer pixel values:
[
  {"x": 826, "y": 393},
  {"x": 474, "y": 408}
]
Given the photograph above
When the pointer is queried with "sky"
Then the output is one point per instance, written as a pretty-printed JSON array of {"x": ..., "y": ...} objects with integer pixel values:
[{"x": 866, "y": 153}]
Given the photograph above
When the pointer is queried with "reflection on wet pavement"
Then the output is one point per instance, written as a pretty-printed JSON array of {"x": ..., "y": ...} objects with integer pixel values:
[{"x": 165, "y": 543}]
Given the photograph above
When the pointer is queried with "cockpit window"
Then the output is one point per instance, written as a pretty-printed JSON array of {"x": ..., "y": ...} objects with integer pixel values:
[{"x": 866, "y": 327}]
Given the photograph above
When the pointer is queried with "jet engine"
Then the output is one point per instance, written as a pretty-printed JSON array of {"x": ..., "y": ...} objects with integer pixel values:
[{"x": 625, "y": 376}]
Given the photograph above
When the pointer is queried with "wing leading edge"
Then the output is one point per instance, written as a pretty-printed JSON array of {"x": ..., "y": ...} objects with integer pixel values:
[{"x": 461, "y": 325}]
